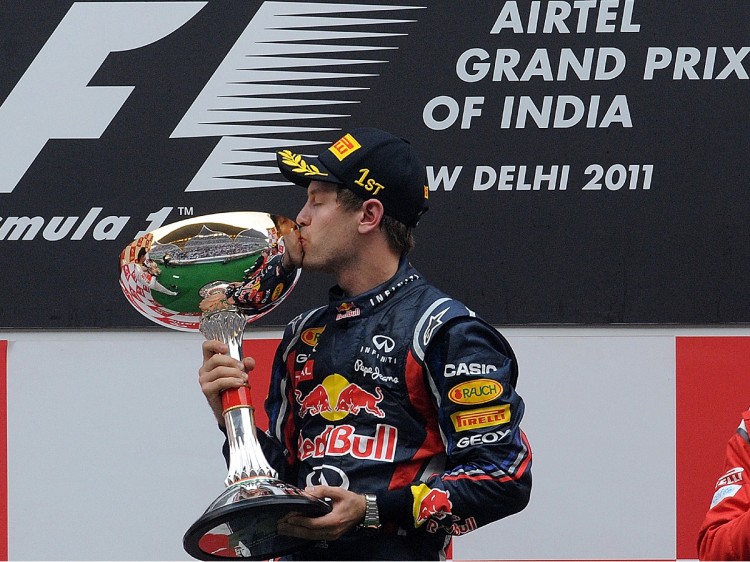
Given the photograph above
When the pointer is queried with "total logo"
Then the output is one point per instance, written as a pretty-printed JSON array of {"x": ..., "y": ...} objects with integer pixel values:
[
  {"x": 306, "y": 373},
  {"x": 335, "y": 398}
]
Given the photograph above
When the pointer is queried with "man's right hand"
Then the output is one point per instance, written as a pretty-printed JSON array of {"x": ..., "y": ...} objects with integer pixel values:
[
  {"x": 221, "y": 372},
  {"x": 293, "y": 252}
]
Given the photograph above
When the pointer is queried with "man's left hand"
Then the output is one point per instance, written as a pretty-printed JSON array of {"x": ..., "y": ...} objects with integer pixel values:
[{"x": 348, "y": 511}]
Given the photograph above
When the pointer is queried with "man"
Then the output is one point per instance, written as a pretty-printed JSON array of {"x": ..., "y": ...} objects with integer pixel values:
[
  {"x": 394, "y": 401},
  {"x": 150, "y": 272},
  {"x": 725, "y": 533}
]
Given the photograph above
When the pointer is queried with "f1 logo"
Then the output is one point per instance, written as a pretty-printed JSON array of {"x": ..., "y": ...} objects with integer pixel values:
[{"x": 52, "y": 99}]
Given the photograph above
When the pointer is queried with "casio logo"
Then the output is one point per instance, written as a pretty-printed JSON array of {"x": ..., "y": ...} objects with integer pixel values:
[{"x": 457, "y": 370}]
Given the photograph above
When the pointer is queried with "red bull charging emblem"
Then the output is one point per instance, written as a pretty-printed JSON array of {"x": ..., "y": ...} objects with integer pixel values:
[
  {"x": 430, "y": 502},
  {"x": 335, "y": 398},
  {"x": 434, "y": 507}
]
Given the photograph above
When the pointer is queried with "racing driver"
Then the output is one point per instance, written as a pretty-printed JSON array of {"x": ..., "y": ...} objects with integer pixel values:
[
  {"x": 394, "y": 401},
  {"x": 725, "y": 533}
]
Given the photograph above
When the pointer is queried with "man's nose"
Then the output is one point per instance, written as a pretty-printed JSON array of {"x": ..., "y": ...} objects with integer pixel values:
[{"x": 302, "y": 217}]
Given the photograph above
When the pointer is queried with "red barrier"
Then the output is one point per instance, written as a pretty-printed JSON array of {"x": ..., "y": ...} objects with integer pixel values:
[
  {"x": 4, "y": 449},
  {"x": 713, "y": 390}
]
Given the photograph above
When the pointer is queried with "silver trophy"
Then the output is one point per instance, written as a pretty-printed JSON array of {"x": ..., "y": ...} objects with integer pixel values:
[{"x": 215, "y": 274}]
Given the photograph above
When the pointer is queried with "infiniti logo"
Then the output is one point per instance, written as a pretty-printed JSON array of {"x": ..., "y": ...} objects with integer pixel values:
[
  {"x": 383, "y": 343},
  {"x": 327, "y": 475}
]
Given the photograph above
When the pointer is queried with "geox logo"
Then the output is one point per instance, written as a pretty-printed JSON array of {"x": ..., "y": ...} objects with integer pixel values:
[{"x": 241, "y": 103}]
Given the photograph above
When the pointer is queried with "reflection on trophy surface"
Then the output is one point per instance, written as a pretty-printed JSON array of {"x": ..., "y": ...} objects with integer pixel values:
[
  {"x": 215, "y": 274},
  {"x": 168, "y": 273}
]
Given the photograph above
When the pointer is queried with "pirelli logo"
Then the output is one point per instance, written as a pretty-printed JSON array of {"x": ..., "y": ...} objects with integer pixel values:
[
  {"x": 481, "y": 417},
  {"x": 344, "y": 146}
]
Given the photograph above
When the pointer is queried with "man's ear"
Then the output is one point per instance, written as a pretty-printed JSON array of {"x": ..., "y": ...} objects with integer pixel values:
[{"x": 372, "y": 214}]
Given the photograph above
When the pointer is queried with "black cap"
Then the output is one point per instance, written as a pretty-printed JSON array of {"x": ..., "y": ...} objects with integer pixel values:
[{"x": 373, "y": 164}]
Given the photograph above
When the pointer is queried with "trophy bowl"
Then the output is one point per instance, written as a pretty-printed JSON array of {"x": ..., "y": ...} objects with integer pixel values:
[{"x": 215, "y": 274}]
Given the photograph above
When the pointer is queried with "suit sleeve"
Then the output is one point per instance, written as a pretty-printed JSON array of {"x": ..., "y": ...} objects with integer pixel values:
[
  {"x": 471, "y": 371},
  {"x": 725, "y": 532}
]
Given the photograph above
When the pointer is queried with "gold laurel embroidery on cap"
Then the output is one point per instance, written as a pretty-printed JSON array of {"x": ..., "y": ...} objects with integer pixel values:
[{"x": 298, "y": 165}]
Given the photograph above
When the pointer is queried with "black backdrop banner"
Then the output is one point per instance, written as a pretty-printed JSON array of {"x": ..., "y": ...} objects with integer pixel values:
[{"x": 586, "y": 159}]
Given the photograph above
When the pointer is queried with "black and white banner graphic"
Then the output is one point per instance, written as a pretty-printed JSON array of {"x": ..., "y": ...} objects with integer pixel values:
[{"x": 586, "y": 158}]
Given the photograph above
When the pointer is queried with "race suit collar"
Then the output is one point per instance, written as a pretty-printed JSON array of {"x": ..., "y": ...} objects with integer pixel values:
[{"x": 350, "y": 307}]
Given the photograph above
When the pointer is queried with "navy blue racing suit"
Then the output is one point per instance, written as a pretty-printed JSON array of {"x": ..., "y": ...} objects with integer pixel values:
[{"x": 404, "y": 393}]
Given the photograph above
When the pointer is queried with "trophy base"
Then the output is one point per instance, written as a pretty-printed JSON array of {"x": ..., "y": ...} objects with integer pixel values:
[{"x": 241, "y": 523}]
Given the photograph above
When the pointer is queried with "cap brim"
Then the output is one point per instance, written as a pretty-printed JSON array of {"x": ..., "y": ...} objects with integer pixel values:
[{"x": 301, "y": 170}]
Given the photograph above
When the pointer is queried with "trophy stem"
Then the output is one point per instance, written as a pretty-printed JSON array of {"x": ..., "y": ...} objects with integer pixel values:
[{"x": 246, "y": 458}]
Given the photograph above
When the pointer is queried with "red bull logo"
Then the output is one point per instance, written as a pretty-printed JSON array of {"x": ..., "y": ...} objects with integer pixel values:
[
  {"x": 335, "y": 398},
  {"x": 316, "y": 401},
  {"x": 430, "y": 503},
  {"x": 353, "y": 399},
  {"x": 455, "y": 529},
  {"x": 347, "y": 310},
  {"x": 342, "y": 440}
]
